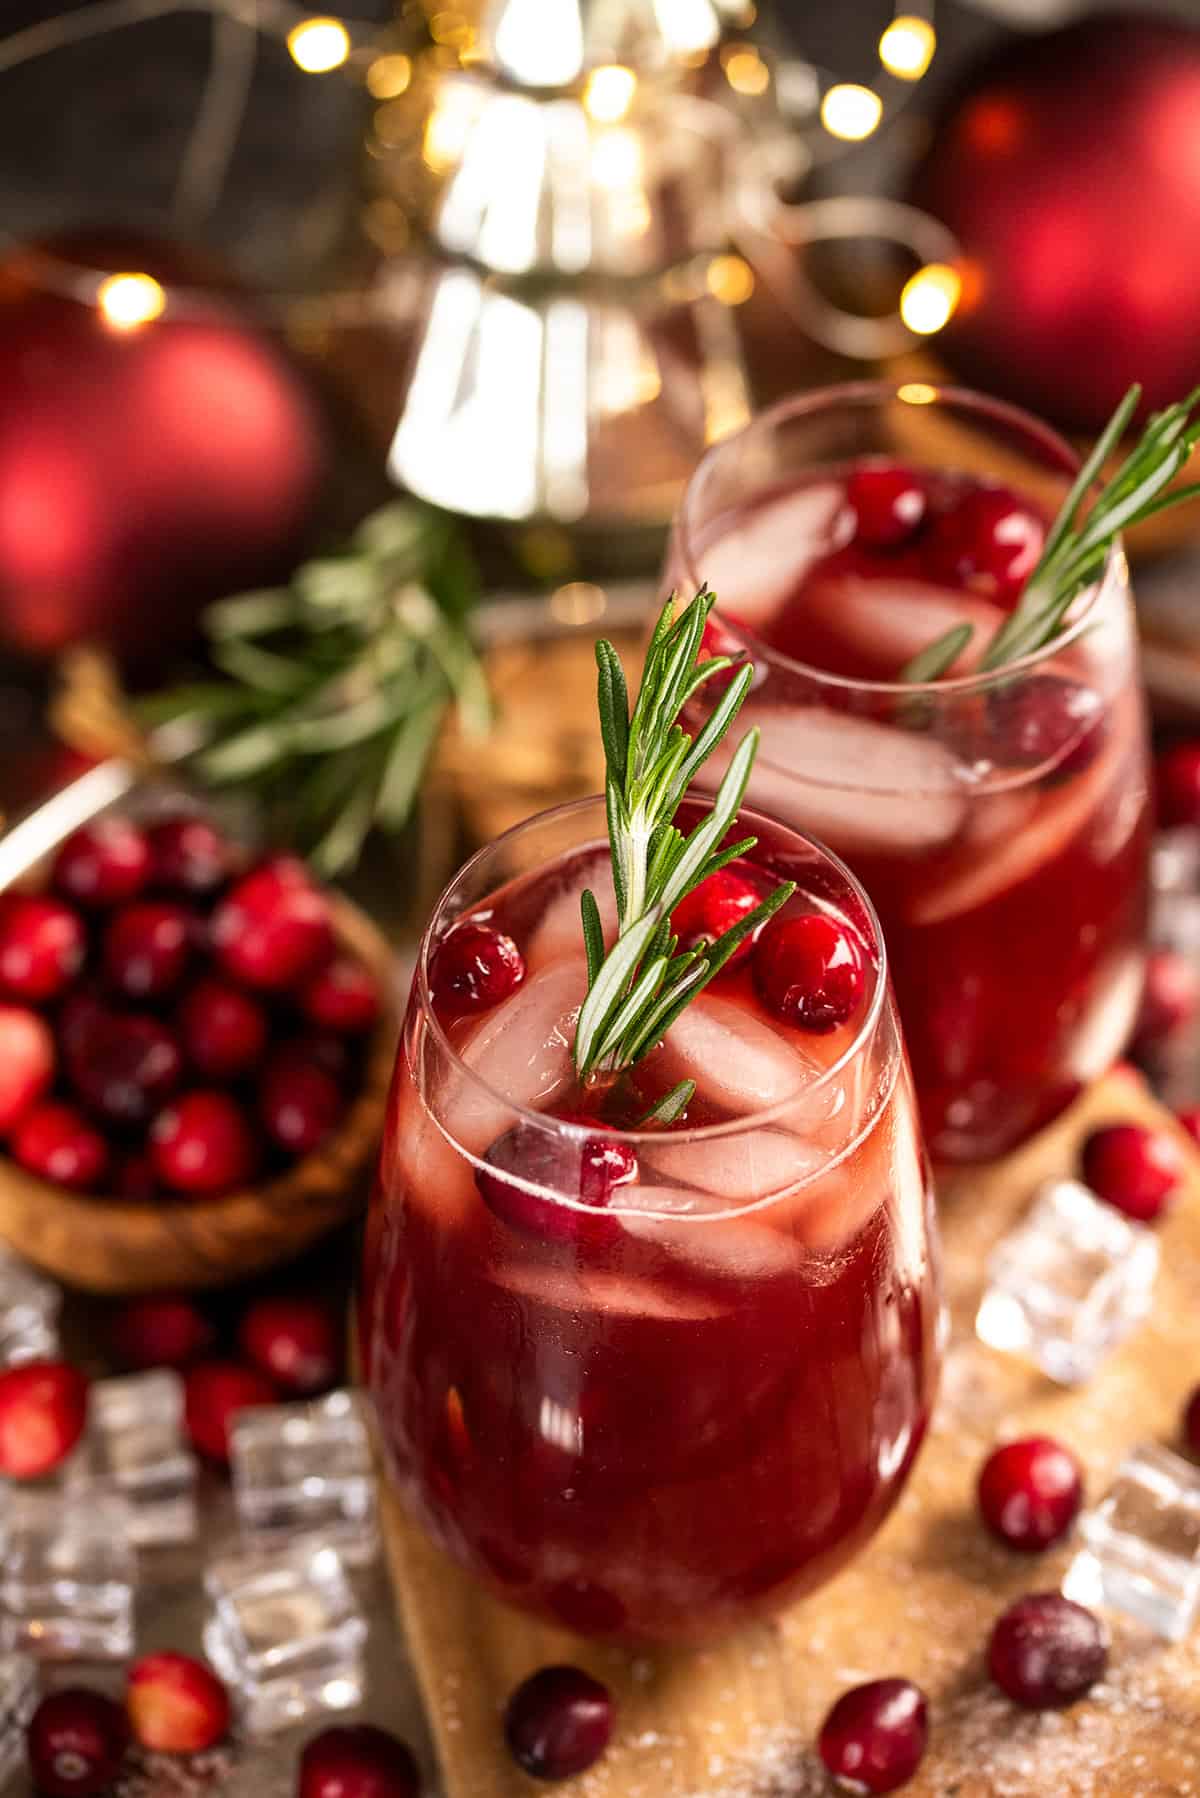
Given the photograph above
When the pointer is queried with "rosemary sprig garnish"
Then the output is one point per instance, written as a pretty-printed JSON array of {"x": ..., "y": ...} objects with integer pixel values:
[
  {"x": 1074, "y": 551},
  {"x": 639, "y": 988}
]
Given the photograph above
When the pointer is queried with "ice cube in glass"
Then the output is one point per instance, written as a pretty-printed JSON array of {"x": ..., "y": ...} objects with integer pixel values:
[
  {"x": 135, "y": 1448},
  {"x": 29, "y": 1307},
  {"x": 304, "y": 1470},
  {"x": 18, "y": 1699},
  {"x": 1141, "y": 1544},
  {"x": 66, "y": 1575},
  {"x": 1068, "y": 1284},
  {"x": 285, "y": 1633}
]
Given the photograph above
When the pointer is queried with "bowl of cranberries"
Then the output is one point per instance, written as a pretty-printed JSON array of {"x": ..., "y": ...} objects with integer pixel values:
[{"x": 195, "y": 1047}]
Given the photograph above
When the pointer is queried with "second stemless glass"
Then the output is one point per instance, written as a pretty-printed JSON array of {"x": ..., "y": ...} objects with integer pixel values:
[
  {"x": 999, "y": 821},
  {"x": 656, "y": 1417}
]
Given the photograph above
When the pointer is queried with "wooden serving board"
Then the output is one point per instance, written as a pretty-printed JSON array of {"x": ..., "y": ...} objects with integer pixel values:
[{"x": 739, "y": 1719}]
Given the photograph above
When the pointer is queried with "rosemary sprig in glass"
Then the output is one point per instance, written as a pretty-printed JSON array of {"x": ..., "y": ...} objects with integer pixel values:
[{"x": 639, "y": 988}]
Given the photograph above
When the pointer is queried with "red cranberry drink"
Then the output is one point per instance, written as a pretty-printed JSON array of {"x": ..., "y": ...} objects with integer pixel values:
[{"x": 997, "y": 813}]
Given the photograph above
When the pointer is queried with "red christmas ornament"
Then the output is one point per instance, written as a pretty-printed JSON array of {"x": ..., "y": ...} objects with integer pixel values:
[
  {"x": 1066, "y": 167},
  {"x": 143, "y": 471}
]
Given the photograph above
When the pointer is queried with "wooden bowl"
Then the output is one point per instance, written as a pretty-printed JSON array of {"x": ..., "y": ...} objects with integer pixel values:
[{"x": 111, "y": 1245}]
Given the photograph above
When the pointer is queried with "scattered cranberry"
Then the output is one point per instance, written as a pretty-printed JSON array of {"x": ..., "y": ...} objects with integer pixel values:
[
  {"x": 714, "y": 907},
  {"x": 1043, "y": 719},
  {"x": 134, "y": 1178},
  {"x": 1133, "y": 1168},
  {"x": 43, "y": 1408},
  {"x": 273, "y": 930},
  {"x": 76, "y": 1742},
  {"x": 42, "y": 947},
  {"x": 294, "y": 1340},
  {"x": 1030, "y": 1492},
  {"x": 146, "y": 948},
  {"x": 222, "y": 1029},
  {"x": 1177, "y": 785},
  {"x": 875, "y": 1735},
  {"x": 558, "y": 1722},
  {"x": 475, "y": 967},
  {"x": 1191, "y": 1422},
  {"x": 1170, "y": 998},
  {"x": 187, "y": 856},
  {"x": 26, "y": 1063},
  {"x": 131, "y": 1066},
  {"x": 809, "y": 971},
  {"x": 163, "y": 1329},
  {"x": 888, "y": 502},
  {"x": 214, "y": 1392},
  {"x": 342, "y": 996},
  {"x": 987, "y": 538},
  {"x": 1189, "y": 1117},
  {"x": 57, "y": 1143},
  {"x": 1046, "y": 1651},
  {"x": 176, "y": 1705},
  {"x": 202, "y": 1144},
  {"x": 299, "y": 1103},
  {"x": 551, "y": 1167},
  {"x": 357, "y": 1760},
  {"x": 104, "y": 863}
]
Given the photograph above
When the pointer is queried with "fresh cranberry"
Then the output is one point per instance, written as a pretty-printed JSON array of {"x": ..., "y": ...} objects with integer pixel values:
[
  {"x": 1045, "y": 1651},
  {"x": 76, "y": 1741},
  {"x": 558, "y": 1722},
  {"x": 1191, "y": 1422},
  {"x": 134, "y": 1178},
  {"x": 357, "y": 1760},
  {"x": 202, "y": 1144},
  {"x": 273, "y": 930},
  {"x": 42, "y": 947},
  {"x": 176, "y": 1705},
  {"x": 57, "y": 1143},
  {"x": 43, "y": 1408},
  {"x": 188, "y": 856},
  {"x": 163, "y": 1329},
  {"x": 81, "y": 1013},
  {"x": 1133, "y": 1168},
  {"x": 1042, "y": 719},
  {"x": 714, "y": 907},
  {"x": 299, "y": 1103},
  {"x": 104, "y": 863},
  {"x": 293, "y": 1340},
  {"x": 131, "y": 1066},
  {"x": 989, "y": 539},
  {"x": 875, "y": 1735},
  {"x": 1177, "y": 785},
  {"x": 888, "y": 503},
  {"x": 474, "y": 968},
  {"x": 342, "y": 996},
  {"x": 809, "y": 971},
  {"x": 146, "y": 948},
  {"x": 223, "y": 1030},
  {"x": 26, "y": 1063},
  {"x": 1189, "y": 1117},
  {"x": 550, "y": 1167},
  {"x": 1030, "y": 1492},
  {"x": 1170, "y": 998},
  {"x": 213, "y": 1393}
]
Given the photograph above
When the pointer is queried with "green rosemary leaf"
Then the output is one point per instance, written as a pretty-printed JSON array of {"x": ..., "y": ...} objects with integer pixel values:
[
  {"x": 251, "y": 614},
  {"x": 593, "y": 932},
  {"x": 646, "y": 988},
  {"x": 607, "y": 990},
  {"x": 406, "y": 763},
  {"x": 672, "y": 1105},
  {"x": 1103, "y": 448},
  {"x": 933, "y": 661},
  {"x": 614, "y": 709}
]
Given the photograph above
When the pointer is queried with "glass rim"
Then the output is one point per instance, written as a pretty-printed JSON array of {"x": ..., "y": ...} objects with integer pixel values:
[
  {"x": 863, "y": 1037},
  {"x": 853, "y": 393}
]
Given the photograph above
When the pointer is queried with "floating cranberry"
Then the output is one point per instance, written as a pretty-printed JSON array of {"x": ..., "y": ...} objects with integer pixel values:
[
  {"x": 987, "y": 539},
  {"x": 188, "y": 856},
  {"x": 214, "y": 1392},
  {"x": 293, "y": 1340},
  {"x": 551, "y": 1166},
  {"x": 342, "y": 996},
  {"x": 176, "y": 1705},
  {"x": 131, "y": 1066},
  {"x": 714, "y": 907},
  {"x": 202, "y": 1144},
  {"x": 558, "y": 1722},
  {"x": 57, "y": 1143},
  {"x": 104, "y": 863},
  {"x": 146, "y": 948},
  {"x": 273, "y": 930},
  {"x": 1030, "y": 1492},
  {"x": 43, "y": 1409},
  {"x": 475, "y": 967},
  {"x": 42, "y": 947},
  {"x": 809, "y": 971},
  {"x": 76, "y": 1742},
  {"x": 875, "y": 1735},
  {"x": 1191, "y": 1422},
  {"x": 223, "y": 1030},
  {"x": 357, "y": 1760},
  {"x": 1170, "y": 998},
  {"x": 299, "y": 1103},
  {"x": 888, "y": 502},
  {"x": 1177, "y": 785},
  {"x": 134, "y": 1178},
  {"x": 26, "y": 1063},
  {"x": 1133, "y": 1168},
  {"x": 1045, "y": 1651},
  {"x": 1039, "y": 719},
  {"x": 163, "y": 1329}
]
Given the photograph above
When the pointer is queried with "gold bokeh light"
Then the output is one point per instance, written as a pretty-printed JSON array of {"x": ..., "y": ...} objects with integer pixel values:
[
  {"x": 907, "y": 46},
  {"x": 608, "y": 93},
  {"x": 851, "y": 112},
  {"x": 746, "y": 72},
  {"x": 730, "y": 280},
  {"x": 318, "y": 45},
  {"x": 389, "y": 76},
  {"x": 929, "y": 298},
  {"x": 129, "y": 301}
]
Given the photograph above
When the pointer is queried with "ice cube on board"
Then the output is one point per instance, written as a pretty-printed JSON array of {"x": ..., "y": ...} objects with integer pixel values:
[
  {"x": 754, "y": 566},
  {"x": 1141, "y": 1552}
]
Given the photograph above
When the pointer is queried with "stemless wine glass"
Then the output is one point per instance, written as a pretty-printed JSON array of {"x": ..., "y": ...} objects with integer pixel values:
[
  {"x": 998, "y": 819},
  {"x": 647, "y": 1380}
]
